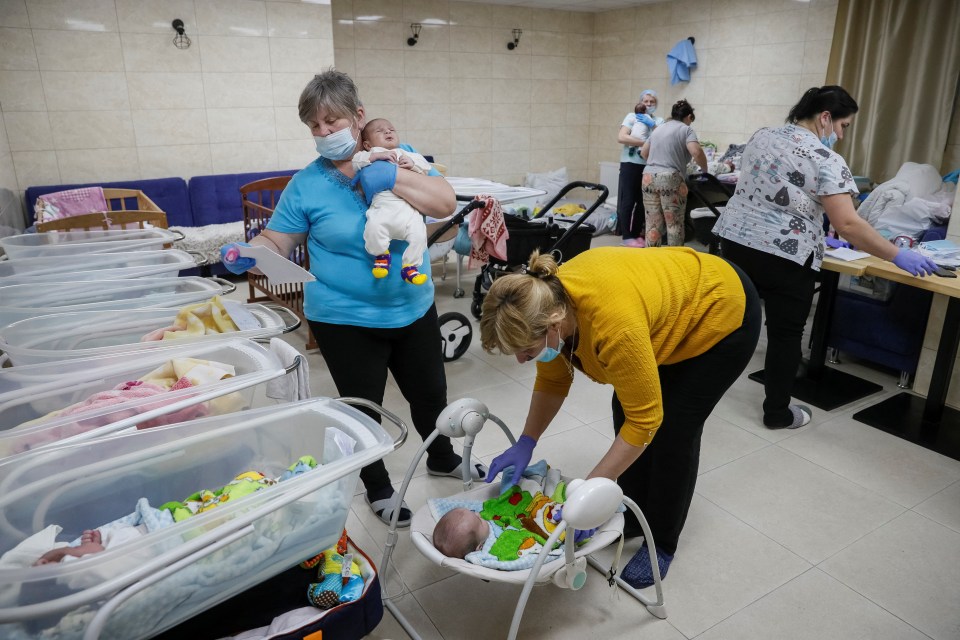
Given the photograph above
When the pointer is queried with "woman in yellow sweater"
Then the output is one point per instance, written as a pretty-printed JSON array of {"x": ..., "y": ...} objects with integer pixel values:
[{"x": 671, "y": 329}]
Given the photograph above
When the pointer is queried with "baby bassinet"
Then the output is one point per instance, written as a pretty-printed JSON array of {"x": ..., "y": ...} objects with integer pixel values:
[
  {"x": 97, "y": 266},
  {"x": 140, "y": 588},
  {"x": 31, "y": 393},
  {"x": 63, "y": 336},
  {"x": 22, "y": 301},
  {"x": 67, "y": 243},
  {"x": 593, "y": 504}
]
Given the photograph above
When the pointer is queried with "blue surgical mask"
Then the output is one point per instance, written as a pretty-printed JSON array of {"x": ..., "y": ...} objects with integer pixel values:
[
  {"x": 339, "y": 145},
  {"x": 549, "y": 353},
  {"x": 830, "y": 140},
  {"x": 651, "y": 109}
]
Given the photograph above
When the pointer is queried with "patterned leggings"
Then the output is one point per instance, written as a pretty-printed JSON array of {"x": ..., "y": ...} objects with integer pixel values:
[{"x": 665, "y": 200}]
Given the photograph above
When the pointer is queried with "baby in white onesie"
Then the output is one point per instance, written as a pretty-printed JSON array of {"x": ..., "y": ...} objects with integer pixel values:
[{"x": 389, "y": 216}]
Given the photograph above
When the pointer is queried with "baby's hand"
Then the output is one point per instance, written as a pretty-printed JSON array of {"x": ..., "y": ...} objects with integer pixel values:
[
  {"x": 389, "y": 156},
  {"x": 405, "y": 162}
]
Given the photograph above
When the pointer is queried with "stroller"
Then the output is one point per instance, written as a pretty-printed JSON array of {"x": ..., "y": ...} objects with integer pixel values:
[
  {"x": 712, "y": 194},
  {"x": 456, "y": 331},
  {"x": 544, "y": 232}
]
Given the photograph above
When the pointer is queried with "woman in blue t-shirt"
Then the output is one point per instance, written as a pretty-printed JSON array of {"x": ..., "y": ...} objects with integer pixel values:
[{"x": 365, "y": 326}]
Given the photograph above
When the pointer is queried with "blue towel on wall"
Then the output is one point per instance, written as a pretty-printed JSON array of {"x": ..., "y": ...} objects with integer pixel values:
[{"x": 680, "y": 60}]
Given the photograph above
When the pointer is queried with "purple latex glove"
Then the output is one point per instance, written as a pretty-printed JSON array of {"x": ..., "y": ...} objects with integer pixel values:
[
  {"x": 833, "y": 243},
  {"x": 643, "y": 118},
  {"x": 579, "y": 535},
  {"x": 376, "y": 177},
  {"x": 517, "y": 456},
  {"x": 914, "y": 263},
  {"x": 233, "y": 261}
]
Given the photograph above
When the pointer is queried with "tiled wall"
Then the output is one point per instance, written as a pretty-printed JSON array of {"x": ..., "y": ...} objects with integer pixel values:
[
  {"x": 461, "y": 95},
  {"x": 94, "y": 90},
  {"x": 755, "y": 59}
]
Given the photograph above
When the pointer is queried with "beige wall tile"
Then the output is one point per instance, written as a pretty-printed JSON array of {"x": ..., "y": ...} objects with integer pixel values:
[
  {"x": 378, "y": 63},
  {"x": 286, "y": 20},
  {"x": 725, "y": 61},
  {"x": 425, "y": 64},
  {"x": 28, "y": 131},
  {"x": 372, "y": 10},
  {"x": 434, "y": 11},
  {"x": 343, "y": 33},
  {"x": 345, "y": 61},
  {"x": 17, "y": 52},
  {"x": 234, "y": 54},
  {"x": 550, "y": 67},
  {"x": 289, "y": 126},
  {"x": 512, "y": 161},
  {"x": 376, "y": 34},
  {"x": 382, "y": 90},
  {"x": 241, "y": 125},
  {"x": 156, "y": 16},
  {"x": 510, "y": 115},
  {"x": 299, "y": 54},
  {"x": 513, "y": 65},
  {"x": 155, "y": 52},
  {"x": 78, "y": 50},
  {"x": 84, "y": 90},
  {"x": 99, "y": 165},
  {"x": 787, "y": 26},
  {"x": 92, "y": 129},
  {"x": 468, "y": 39},
  {"x": 468, "y": 14},
  {"x": 240, "y": 157},
  {"x": 396, "y": 113},
  {"x": 728, "y": 32},
  {"x": 820, "y": 21},
  {"x": 164, "y": 90},
  {"x": 470, "y": 164},
  {"x": 231, "y": 18},
  {"x": 816, "y": 55},
  {"x": 433, "y": 37},
  {"x": 510, "y": 138},
  {"x": 777, "y": 59},
  {"x": 430, "y": 142},
  {"x": 36, "y": 168},
  {"x": 21, "y": 91},
  {"x": 164, "y": 127},
  {"x": 295, "y": 154},
  {"x": 466, "y": 141},
  {"x": 13, "y": 13},
  {"x": 474, "y": 115},
  {"x": 469, "y": 65},
  {"x": 510, "y": 18},
  {"x": 728, "y": 90},
  {"x": 774, "y": 90},
  {"x": 549, "y": 113},
  {"x": 341, "y": 9},
  {"x": 549, "y": 19},
  {"x": 79, "y": 15},
  {"x": 234, "y": 90},
  {"x": 731, "y": 8},
  {"x": 184, "y": 160},
  {"x": 287, "y": 87},
  {"x": 426, "y": 90},
  {"x": 425, "y": 116}
]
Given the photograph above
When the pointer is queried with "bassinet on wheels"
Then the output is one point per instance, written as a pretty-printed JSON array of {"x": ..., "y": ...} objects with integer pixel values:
[
  {"x": 712, "y": 195},
  {"x": 542, "y": 232}
]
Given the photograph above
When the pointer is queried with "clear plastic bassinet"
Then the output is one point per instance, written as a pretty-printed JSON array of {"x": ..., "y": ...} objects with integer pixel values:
[
  {"x": 65, "y": 243},
  {"x": 139, "y": 588},
  {"x": 22, "y": 301},
  {"x": 163, "y": 263},
  {"x": 83, "y": 334},
  {"x": 32, "y": 393}
]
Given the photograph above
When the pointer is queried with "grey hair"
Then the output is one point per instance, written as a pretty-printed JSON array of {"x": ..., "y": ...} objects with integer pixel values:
[{"x": 333, "y": 91}]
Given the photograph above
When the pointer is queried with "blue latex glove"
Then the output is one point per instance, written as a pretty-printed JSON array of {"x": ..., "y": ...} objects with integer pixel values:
[
  {"x": 914, "y": 263},
  {"x": 376, "y": 177},
  {"x": 833, "y": 243},
  {"x": 518, "y": 456},
  {"x": 643, "y": 118},
  {"x": 233, "y": 261}
]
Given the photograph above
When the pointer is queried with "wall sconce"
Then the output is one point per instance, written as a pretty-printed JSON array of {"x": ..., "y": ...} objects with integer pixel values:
[
  {"x": 415, "y": 29},
  {"x": 180, "y": 41},
  {"x": 516, "y": 39}
]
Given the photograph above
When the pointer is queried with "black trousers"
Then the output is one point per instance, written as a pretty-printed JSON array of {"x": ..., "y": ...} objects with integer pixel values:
[
  {"x": 631, "y": 217},
  {"x": 358, "y": 359},
  {"x": 663, "y": 478},
  {"x": 787, "y": 292}
]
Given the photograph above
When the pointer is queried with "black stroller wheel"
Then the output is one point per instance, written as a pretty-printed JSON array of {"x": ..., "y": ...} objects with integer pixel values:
[
  {"x": 475, "y": 309},
  {"x": 456, "y": 332}
]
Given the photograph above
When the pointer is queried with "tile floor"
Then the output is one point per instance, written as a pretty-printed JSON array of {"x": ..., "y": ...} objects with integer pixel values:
[{"x": 833, "y": 531}]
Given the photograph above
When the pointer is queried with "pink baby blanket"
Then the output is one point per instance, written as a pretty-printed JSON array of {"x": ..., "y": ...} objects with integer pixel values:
[{"x": 73, "y": 202}]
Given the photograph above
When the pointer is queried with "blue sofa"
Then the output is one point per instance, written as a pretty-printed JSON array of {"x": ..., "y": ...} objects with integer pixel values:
[
  {"x": 213, "y": 199},
  {"x": 889, "y": 333}
]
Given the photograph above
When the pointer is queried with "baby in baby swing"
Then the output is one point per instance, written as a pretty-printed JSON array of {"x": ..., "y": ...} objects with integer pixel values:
[{"x": 506, "y": 532}]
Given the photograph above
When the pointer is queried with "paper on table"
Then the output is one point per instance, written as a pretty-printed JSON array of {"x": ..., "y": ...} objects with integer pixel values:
[
  {"x": 847, "y": 255},
  {"x": 278, "y": 269}
]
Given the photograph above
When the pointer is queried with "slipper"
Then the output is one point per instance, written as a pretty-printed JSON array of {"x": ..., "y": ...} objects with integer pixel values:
[
  {"x": 478, "y": 472},
  {"x": 383, "y": 509}
]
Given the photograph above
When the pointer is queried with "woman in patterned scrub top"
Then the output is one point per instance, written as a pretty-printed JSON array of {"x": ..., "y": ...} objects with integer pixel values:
[{"x": 773, "y": 229}]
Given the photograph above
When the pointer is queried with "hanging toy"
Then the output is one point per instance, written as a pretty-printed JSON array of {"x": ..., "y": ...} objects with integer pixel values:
[{"x": 340, "y": 579}]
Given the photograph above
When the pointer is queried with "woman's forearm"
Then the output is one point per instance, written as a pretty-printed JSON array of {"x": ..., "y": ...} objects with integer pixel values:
[
  {"x": 853, "y": 228},
  {"x": 617, "y": 459},
  {"x": 430, "y": 195}
]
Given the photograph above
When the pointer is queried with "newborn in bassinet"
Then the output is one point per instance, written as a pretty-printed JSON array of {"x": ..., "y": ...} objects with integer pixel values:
[
  {"x": 506, "y": 532},
  {"x": 200, "y": 319}
]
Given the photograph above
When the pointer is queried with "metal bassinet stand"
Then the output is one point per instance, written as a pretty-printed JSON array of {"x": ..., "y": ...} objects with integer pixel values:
[{"x": 589, "y": 504}]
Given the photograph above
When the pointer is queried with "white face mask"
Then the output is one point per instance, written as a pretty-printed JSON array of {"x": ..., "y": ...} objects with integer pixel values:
[{"x": 339, "y": 145}]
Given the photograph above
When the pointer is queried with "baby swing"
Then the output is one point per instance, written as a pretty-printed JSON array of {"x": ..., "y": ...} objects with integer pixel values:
[{"x": 593, "y": 503}]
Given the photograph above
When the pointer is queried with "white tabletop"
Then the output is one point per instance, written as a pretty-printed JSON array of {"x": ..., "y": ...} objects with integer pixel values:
[{"x": 504, "y": 193}]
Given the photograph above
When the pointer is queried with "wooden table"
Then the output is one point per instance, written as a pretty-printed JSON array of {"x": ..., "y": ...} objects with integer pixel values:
[
  {"x": 822, "y": 386},
  {"x": 924, "y": 421}
]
